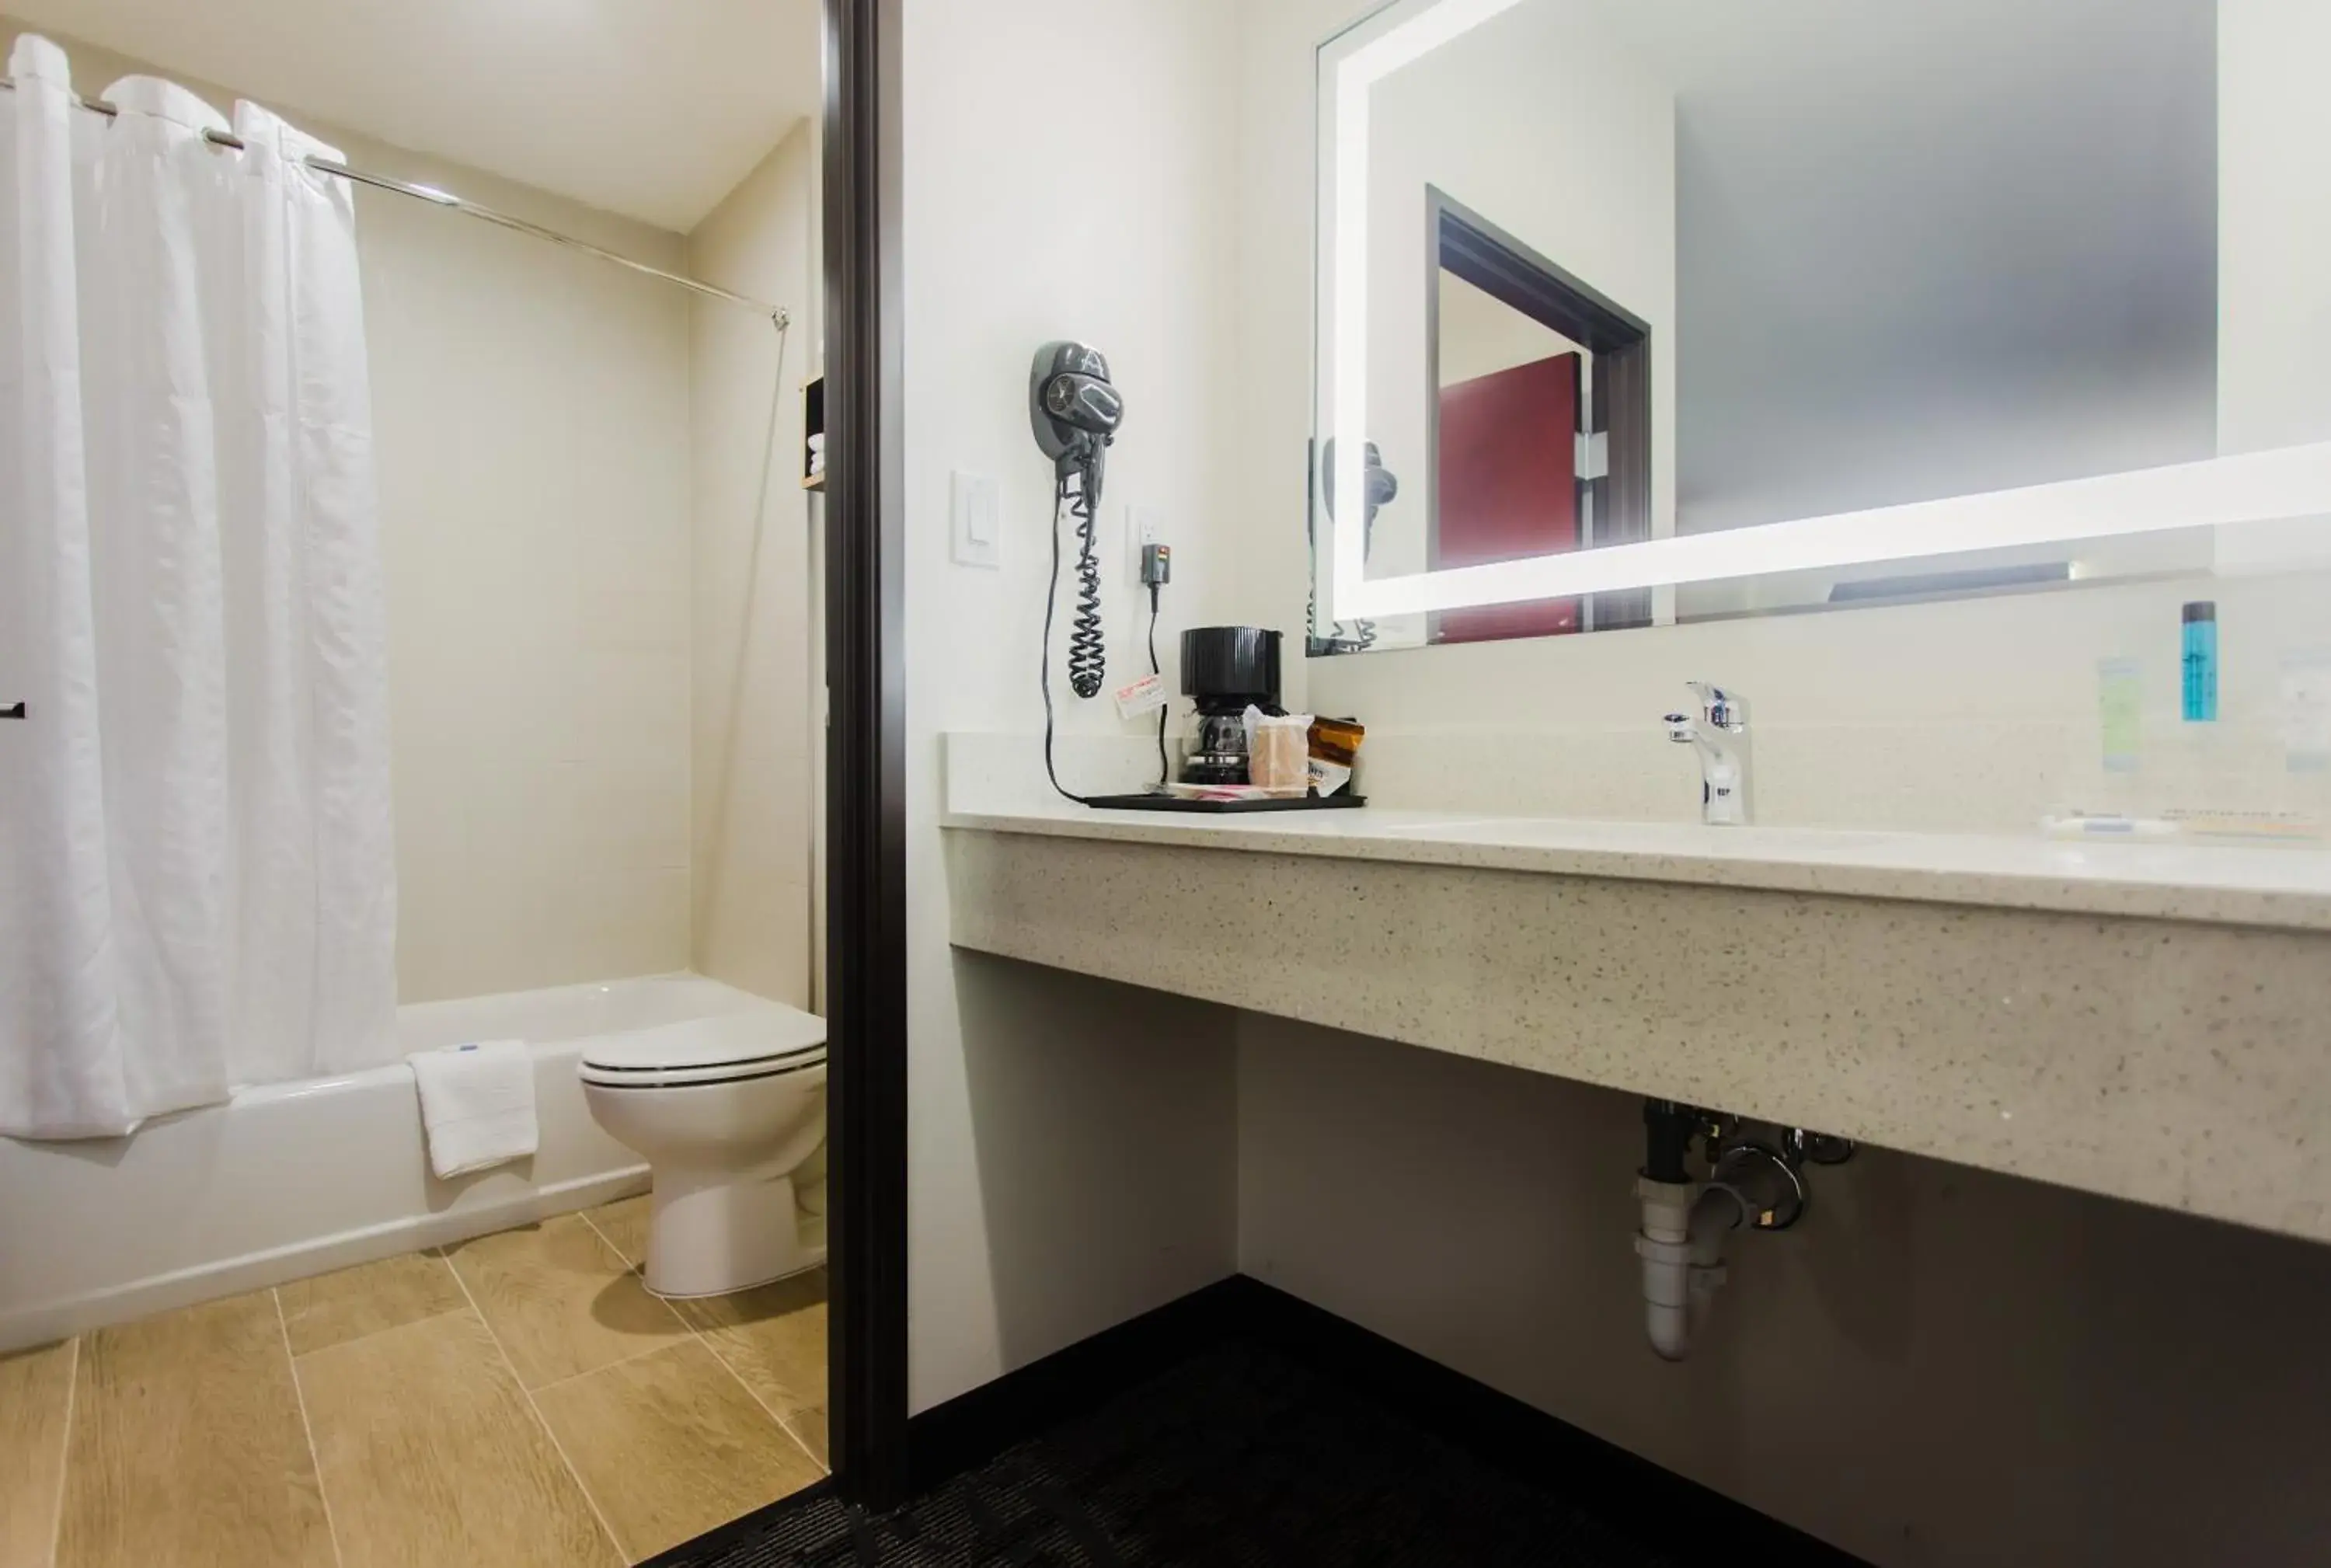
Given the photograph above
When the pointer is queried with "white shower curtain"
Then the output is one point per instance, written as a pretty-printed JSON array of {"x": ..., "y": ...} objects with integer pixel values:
[{"x": 196, "y": 876}]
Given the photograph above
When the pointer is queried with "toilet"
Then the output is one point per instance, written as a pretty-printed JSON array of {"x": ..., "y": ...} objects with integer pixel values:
[{"x": 726, "y": 1111}]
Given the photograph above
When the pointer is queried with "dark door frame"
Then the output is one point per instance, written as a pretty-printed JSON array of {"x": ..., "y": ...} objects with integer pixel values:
[
  {"x": 866, "y": 772},
  {"x": 1462, "y": 242}
]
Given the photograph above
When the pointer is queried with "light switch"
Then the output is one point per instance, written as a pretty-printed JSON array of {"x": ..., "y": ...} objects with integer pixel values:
[{"x": 978, "y": 521}]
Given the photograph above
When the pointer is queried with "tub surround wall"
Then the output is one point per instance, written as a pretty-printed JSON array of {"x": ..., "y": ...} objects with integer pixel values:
[
  {"x": 757, "y": 627},
  {"x": 533, "y": 455}
]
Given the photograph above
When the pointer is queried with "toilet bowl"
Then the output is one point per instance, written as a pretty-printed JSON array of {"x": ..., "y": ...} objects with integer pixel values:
[{"x": 725, "y": 1111}]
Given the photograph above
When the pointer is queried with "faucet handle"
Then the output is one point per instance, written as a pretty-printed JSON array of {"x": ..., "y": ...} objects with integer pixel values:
[
  {"x": 1682, "y": 729},
  {"x": 1724, "y": 710}
]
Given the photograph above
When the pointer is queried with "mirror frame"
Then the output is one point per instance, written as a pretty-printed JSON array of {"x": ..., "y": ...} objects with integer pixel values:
[{"x": 2276, "y": 485}]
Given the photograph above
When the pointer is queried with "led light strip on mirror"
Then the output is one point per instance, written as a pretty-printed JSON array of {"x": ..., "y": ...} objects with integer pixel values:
[
  {"x": 2286, "y": 483},
  {"x": 2260, "y": 487}
]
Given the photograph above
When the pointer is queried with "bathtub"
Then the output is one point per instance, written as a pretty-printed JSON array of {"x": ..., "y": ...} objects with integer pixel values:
[{"x": 295, "y": 1179}]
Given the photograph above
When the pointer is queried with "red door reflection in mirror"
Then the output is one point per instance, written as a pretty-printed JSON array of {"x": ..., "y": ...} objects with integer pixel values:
[{"x": 1506, "y": 472}]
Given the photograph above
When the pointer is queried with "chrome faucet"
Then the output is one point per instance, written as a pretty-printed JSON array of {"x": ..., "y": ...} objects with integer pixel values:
[{"x": 1720, "y": 733}]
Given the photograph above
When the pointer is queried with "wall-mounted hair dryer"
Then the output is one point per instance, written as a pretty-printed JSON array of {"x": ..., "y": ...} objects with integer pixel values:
[{"x": 1075, "y": 411}]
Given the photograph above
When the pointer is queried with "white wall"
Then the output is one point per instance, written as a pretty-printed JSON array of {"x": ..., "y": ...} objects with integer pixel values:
[
  {"x": 1072, "y": 1159},
  {"x": 1481, "y": 335},
  {"x": 756, "y": 632},
  {"x": 530, "y": 409},
  {"x": 1272, "y": 398}
]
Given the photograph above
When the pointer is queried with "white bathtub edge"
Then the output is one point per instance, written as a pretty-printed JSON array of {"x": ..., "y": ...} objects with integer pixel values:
[{"x": 41, "y": 1323}]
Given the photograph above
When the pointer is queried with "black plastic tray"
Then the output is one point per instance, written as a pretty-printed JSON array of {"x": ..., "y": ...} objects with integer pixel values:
[{"x": 1149, "y": 803}]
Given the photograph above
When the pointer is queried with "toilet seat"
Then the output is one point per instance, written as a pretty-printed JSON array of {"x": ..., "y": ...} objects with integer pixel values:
[{"x": 763, "y": 1042}]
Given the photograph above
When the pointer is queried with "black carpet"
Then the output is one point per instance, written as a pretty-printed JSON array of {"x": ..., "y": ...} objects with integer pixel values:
[{"x": 1239, "y": 1458}]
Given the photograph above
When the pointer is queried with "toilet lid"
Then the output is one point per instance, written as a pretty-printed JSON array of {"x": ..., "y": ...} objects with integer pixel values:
[{"x": 752, "y": 1044}]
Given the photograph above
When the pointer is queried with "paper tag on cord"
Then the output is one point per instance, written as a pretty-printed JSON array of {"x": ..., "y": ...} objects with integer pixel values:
[{"x": 1147, "y": 695}]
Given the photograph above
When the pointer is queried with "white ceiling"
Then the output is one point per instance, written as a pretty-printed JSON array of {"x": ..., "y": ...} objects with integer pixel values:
[{"x": 651, "y": 110}]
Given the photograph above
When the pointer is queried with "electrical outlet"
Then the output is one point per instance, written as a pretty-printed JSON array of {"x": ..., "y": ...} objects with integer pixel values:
[
  {"x": 1144, "y": 527},
  {"x": 977, "y": 519}
]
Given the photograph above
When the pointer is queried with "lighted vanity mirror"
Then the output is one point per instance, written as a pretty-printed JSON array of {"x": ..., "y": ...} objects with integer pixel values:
[{"x": 1642, "y": 312}]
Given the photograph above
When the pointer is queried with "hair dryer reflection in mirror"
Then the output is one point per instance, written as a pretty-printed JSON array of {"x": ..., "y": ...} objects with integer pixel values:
[{"x": 1382, "y": 487}]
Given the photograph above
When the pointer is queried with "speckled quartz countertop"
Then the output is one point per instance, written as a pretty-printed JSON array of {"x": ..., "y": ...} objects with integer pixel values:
[
  {"x": 2151, "y": 1021},
  {"x": 2275, "y": 886}
]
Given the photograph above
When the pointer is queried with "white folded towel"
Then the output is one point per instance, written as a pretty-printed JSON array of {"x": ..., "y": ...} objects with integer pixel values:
[{"x": 477, "y": 1102}]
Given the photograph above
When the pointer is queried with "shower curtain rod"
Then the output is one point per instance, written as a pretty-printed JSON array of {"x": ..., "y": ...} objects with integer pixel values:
[{"x": 452, "y": 203}]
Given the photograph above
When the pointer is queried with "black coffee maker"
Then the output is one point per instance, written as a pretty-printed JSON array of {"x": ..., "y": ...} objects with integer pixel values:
[{"x": 1224, "y": 670}]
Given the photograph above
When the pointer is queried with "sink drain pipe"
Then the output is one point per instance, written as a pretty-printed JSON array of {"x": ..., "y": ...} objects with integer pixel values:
[
  {"x": 1751, "y": 1185},
  {"x": 1681, "y": 1245},
  {"x": 1685, "y": 1221}
]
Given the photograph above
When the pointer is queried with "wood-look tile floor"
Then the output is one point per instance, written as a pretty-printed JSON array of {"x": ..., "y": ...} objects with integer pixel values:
[{"x": 513, "y": 1401}]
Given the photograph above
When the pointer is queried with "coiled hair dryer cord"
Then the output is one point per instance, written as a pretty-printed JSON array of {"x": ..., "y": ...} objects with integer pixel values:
[
  {"x": 1088, "y": 649},
  {"x": 1088, "y": 613}
]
